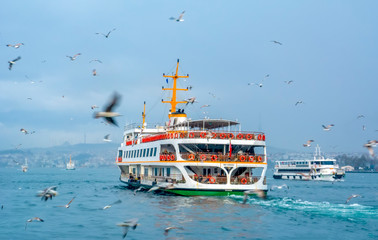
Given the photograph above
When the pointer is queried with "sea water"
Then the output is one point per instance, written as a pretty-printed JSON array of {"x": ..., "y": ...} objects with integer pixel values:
[{"x": 308, "y": 209}]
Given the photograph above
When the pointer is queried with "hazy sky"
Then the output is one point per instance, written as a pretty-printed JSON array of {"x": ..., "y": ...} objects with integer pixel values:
[{"x": 329, "y": 49}]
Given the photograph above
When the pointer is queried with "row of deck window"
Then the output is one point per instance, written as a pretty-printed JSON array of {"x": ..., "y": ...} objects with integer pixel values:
[{"x": 139, "y": 153}]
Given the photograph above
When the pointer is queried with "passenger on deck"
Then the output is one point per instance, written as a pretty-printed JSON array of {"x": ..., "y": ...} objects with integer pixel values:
[{"x": 195, "y": 177}]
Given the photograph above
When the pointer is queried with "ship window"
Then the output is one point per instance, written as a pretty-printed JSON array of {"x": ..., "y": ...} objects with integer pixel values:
[
  {"x": 162, "y": 171},
  {"x": 144, "y": 152},
  {"x": 145, "y": 172},
  {"x": 168, "y": 172},
  {"x": 148, "y": 151},
  {"x": 156, "y": 173},
  {"x": 134, "y": 170},
  {"x": 128, "y": 154},
  {"x": 119, "y": 153},
  {"x": 151, "y": 152},
  {"x": 204, "y": 172},
  {"x": 155, "y": 152}
]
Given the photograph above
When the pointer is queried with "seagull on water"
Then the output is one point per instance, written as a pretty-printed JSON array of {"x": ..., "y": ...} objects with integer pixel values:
[
  {"x": 106, "y": 138},
  {"x": 15, "y": 46},
  {"x": 106, "y": 35},
  {"x": 279, "y": 187},
  {"x": 132, "y": 223},
  {"x": 108, "y": 115},
  {"x": 33, "y": 219},
  {"x": 110, "y": 205},
  {"x": 328, "y": 127},
  {"x": 73, "y": 58},
  {"x": 258, "y": 193},
  {"x": 276, "y": 42},
  {"x": 179, "y": 19},
  {"x": 166, "y": 231},
  {"x": 352, "y": 196},
  {"x": 68, "y": 204},
  {"x": 308, "y": 144},
  {"x": 13, "y": 62},
  {"x": 49, "y": 192},
  {"x": 370, "y": 145}
]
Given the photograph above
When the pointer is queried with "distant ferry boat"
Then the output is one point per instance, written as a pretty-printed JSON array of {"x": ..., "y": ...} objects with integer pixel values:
[
  {"x": 70, "y": 165},
  {"x": 317, "y": 169},
  {"x": 192, "y": 157},
  {"x": 24, "y": 167}
]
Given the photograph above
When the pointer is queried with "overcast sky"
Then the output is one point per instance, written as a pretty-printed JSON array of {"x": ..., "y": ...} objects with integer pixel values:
[{"x": 329, "y": 50}]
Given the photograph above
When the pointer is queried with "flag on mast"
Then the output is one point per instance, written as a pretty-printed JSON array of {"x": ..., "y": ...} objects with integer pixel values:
[{"x": 230, "y": 149}]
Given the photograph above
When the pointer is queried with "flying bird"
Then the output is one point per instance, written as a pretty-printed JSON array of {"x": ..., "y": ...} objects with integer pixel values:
[
  {"x": 179, "y": 19},
  {"x": 298, "y": 102},
  {"x": 308, "y": 144},
  {"x": 352, "y": 196},
  {"x": 24, "y": 131},
  {"x": 68, "y": 204},
  {"x": 108, "y": 115},
  {"x": 94, "y": 106},
  {"x": 190, "y": 100},
  {"x": 132, "y": 223},
  {"x": 94, "y": 72},
  {"x": 33, "y": 219},
  {"x": 107, "y": 35},
  {"x": 259, "y": 193},
  {"x": 206, "y": 105},
  {"x": 73, "y": 58},
  {"x": 95, "y": 60},
  {"x": 328, "y": 127},
  {"x": 48, "y": 193},
  {"x": 15, "y": 46},
  {"x": 370, "y": 145},
  {"x": 106, "y": 138},
  {"x": 276, "y": 42},
  {"x": 288, "y": 82},
  {"x": 13, "y": 62},
  {"x": 279, "y": 187},
  {"x": 360, "y": 116},
  {"x": 363, "y": 127},
  {"x": 257, "y": 84},
  {"x": 110, "y": 205},
  {"x": 166, "y": 231}
]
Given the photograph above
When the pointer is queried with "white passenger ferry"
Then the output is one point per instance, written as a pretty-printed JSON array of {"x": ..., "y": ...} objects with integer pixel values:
[
  {"x": 70, "y": 165},
  {"x": 192, "y": 157},
  {"x": 317, "y": 169}
]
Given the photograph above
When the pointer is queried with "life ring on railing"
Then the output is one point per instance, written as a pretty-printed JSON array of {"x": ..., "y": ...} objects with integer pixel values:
[
  {"x": 203, "y": 157},
  {"x": 182, "y": 135},
  {"x": 242, "y": 158},
  {"x": 230, "y": 135},
  {"x": 168, "y": 157},
  {"x": 259, "y": 159},
  {"x": 211, "y": 180},
  {"x": 263, "y": 137},
  {"x": 222, "y": 135},
  {"x": 249, "y": 136},
  {"x": 214, "y": 135},
  {"x": 191, "y": 135},
  {"x": 251, "y": 158},
  {"x": 176, "y": 135},
  {"x": 173, "y": 157},
  {"x": 239, "y": 136},
  {"x": 191, "y": 156},
  {"x": 244, "y": 181},
  {"x": 202, "y": 135},
  {"x": 214, "y": 157},
  {"x": 259, "y": 137},
  {"x": 162, "y": 158}
]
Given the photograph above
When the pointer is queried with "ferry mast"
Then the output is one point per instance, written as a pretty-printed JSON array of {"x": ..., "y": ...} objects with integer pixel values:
[{"x": 174, "y": 101}]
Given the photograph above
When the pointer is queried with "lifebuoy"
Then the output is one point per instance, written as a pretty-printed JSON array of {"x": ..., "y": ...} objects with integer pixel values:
[
  {"x": 263, "y": 137},
  {"x": 203, "y": 157},
  {"x": 191, "y": 135},
  {"x": 191, "y": 156},
  {"x": 230, "y": 135},
  {"x": 251, "y": 158},
  {"x": 176, "y": 135},
  {"x": 222, "y": 135},
  {"x": 214, "y": 157},
  {"x": 214, "y": 135},
  {"x": 239, "y": 136},
  {"x": 259, "y": 137},
  {"x": 242, "y": 158},
  {"x": 182, "y": 135},
  {"x": 202, "y": 135},
  {"x": 211, "y": 180},
  {"x": 172, "y": 157},
  {"x": 168, "y": 157},
  {"x": 162, "y": 157},
  {"x": 259, "y": 159},
  {"x": 249, "y": 136},
  {"x": 244, "y": 181}
]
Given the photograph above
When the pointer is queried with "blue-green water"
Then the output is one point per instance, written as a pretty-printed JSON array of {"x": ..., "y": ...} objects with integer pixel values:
[{"x": 311, "y": 210}]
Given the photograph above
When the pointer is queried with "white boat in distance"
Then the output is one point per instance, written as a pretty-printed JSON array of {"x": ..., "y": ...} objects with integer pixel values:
[
  {"x": 24, "y": 167},
  {"x": 192, "y": 157},
  {"x": 317, "y": 169},
  {"x": 70, "y": 165}
]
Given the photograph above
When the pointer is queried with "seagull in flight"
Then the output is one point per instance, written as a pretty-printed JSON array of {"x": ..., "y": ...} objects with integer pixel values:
[
  {"x": 68, "y": 204},
  {"x": 108, "y": 115},
  {"x": 298, "y": 102},
  {"x": 15, "y": 46},
  {"x": 352, "y": 196},
  {"x": 24, "y": 131},
  {"x": 190, "y": 100},
  {"x": 206, "y": 105},
  {"x": 328, "y": 127},
  {"x": 132, "y": 223},
  {"x": 107, "y": 35},
  {"x": 276, "y": 42},
  {"x": 94, "y": 106},
  {"x": 260, "y": 84},
  {"x": 94, "y": 72},
  {"x": 95, "y": 60},
  {"x": 13, "y": 62},
  {"x": 179, "y": 19},
  {"x": 73, "y": 58},
  {"x": 308, "y": 144},
  {"x": 288, "y": 82},
  {"x": 370, "y": 145},
  {"x": 110, "y": 205},
  {"x": 33, "y": 219},
  {"x": 166, "y": 231},
  {"x": 106, "y": 138},
  {"x": 48, "y": 193},
  {"x": 360, "y": 116}
]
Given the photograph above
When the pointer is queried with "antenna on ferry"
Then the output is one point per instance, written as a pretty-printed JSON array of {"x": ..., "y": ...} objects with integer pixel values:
[
  {"x": 144, "y": 115},
  {"x": 173, "y": 101}
]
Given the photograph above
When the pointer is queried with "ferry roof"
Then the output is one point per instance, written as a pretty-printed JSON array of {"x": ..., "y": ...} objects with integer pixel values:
[{"x": 208, "y": 123}]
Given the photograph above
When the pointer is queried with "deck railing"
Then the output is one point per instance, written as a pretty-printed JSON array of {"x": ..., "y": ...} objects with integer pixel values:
[{"x": 215, "y": 157}]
